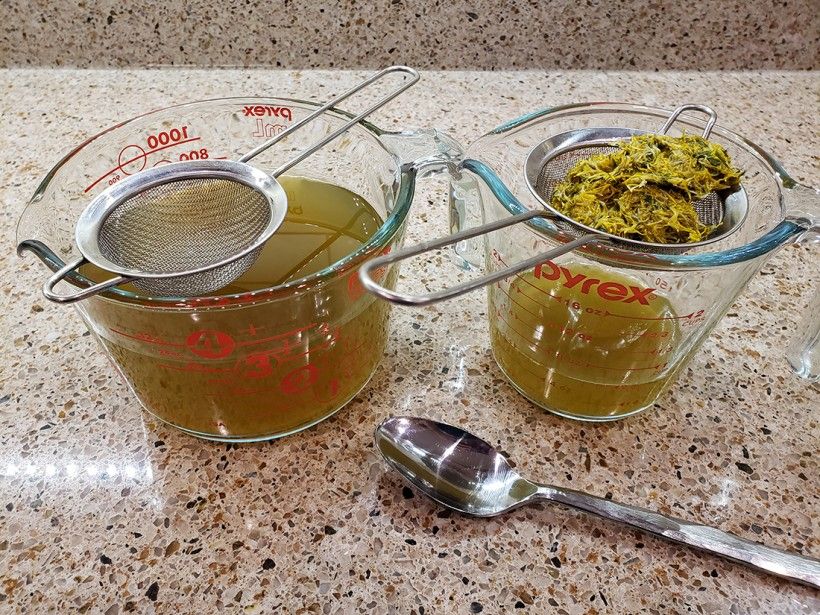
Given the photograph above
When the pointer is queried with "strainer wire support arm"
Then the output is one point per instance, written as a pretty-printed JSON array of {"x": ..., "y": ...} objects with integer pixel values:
[
  {"x": 407, "y": 83},
  {"x": 703, "y": 108},
  {"x": 60, "y": 274},
  {"x": 367, "y": 270}
]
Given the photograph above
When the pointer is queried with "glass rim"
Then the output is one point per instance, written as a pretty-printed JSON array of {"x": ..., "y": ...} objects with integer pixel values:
[
  {"x": 376, "y": 243},
  {"x": 774, "y": 238}
]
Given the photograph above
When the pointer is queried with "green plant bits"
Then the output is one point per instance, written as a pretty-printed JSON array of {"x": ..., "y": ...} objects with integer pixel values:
[{"x": 645, "y": 190}]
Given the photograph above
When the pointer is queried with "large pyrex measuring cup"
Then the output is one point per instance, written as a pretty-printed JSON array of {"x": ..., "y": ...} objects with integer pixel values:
[
  {"x": 596, "y": 331},
  {"x": 258, "y": 364}
]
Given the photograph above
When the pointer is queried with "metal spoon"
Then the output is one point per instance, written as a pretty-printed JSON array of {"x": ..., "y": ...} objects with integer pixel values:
[{"x": 465, "y": 473}]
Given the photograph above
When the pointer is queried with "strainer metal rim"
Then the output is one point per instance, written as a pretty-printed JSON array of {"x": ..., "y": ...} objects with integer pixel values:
[
  {"x": 535, "y": 158},
  {"x": 88, "y": 226}
]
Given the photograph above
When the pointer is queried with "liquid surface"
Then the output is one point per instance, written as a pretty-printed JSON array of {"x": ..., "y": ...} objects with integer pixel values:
[
  {"x": 579, "y": 352},
  {"x": 324, "y": 224},
  {"x": 257, "y": 371}
]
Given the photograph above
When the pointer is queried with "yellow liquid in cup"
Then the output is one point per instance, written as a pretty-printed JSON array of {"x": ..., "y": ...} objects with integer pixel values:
[
  {"x": 256, "y": 371},
  {"x": 578, "y": 351}
]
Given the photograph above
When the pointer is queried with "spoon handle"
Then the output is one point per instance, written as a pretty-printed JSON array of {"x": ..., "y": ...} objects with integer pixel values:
[{"x": 774, "y": 561}]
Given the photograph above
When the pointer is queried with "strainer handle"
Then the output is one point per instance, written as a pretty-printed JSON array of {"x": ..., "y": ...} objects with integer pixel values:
[
  {"x": 414, "y": 77},
  {"x": 370, "y": 283},
  {"x": 707, "y": 110},
  {"x": 60, "y": 274}
]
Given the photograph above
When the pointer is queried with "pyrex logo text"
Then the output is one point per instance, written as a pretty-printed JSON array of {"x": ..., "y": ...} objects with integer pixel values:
[
  {"x": 611, "y": 291},
  {"x": 267, "y": 110}
]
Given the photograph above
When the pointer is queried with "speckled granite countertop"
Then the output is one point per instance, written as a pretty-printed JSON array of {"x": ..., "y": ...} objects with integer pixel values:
[
  {"x": 104, "y": 510},
  {"x": 483, "y": 34}
]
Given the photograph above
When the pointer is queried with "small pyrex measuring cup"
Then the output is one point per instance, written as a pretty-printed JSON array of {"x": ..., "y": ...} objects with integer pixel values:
[
  {"x": 598, "y": 332},
  {"x": 252, "y": 365}
]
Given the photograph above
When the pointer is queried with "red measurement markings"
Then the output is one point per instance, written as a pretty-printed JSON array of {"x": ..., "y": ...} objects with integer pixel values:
[
  {"x": 261, "y": 364},
  {"x": 542, "y": 291},
  {"x": 529, "y": 340},
  {"x": 202, "y": 368},
  {"x": 657, "y": 351},
  {"x": 173, "y": 354},
  {"x": 210, "y": 344},
  {"x": 548, "y": 324},
  {"x": 568, "y": 357},
  {"x": 526, "y": 281},
  {"x": 146, "y": 337},
  {"x": 657, "y": 367},
  {"x": 355, "y": 288},
  {"x": 216, "y": 341},
  {"x": 504, "y": 292},
  {"x": 274, "y": 338},
  {"x": 143, "y": 155},
  {"x": 608, "y": 313},
  {"x": 290, "y": 382},
  {"x": 128, "y": 153},
  {"x": 195, "y": 154},
  {"x": 540, "y": 375}
]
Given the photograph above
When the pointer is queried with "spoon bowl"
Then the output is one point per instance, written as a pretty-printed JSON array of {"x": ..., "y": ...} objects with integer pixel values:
[
  {"x": 463, "y": 472},
  {"x": 452, "y": 466}
]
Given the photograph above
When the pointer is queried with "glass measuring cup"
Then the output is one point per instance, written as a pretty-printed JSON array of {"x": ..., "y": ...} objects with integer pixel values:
[
  {"x": 251, "y": 365},
  {"x": 596, "y": 331}
]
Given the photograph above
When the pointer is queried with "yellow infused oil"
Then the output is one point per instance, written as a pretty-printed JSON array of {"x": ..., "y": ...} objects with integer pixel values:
[
  {"x": 324, "y": 224},
  {"x": 583, "y": 341},
  {"x": 252, "y": 371}
]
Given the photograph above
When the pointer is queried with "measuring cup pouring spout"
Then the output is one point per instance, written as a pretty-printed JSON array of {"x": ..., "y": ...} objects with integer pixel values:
[{"x": 587, "y": 326}]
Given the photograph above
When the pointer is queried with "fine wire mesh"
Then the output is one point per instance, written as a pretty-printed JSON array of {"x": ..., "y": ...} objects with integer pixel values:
[
  {"x": 194, "y": 284},
  {"x": 185, "y": 224},
  {"x": 710, "y": 209}
]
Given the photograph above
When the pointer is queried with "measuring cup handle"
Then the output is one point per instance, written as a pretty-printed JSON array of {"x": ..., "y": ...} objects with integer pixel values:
[
  {"x": 803, "y": 354},
  {"x": 59, "y": 275},
  {"x": 370, "y": 283}
]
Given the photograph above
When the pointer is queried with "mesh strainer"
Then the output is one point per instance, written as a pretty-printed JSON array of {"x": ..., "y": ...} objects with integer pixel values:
[
  {"x": 190, "y": 228},
  {"x": 546, "y": 165},
  {"x": 549, "y": 162}
]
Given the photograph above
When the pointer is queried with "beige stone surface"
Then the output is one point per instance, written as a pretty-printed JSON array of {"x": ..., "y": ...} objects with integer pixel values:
[
  {"x": 105, "y": 510},
  {"x": 478, "y": 34}
]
